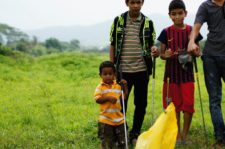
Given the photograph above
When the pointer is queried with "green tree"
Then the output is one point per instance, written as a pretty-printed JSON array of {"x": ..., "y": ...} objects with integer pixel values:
[
  {"x": 53, "y": 43},
  {"x": 34, "y": 40},
  {"x": 10, "y": 35},
  {"x": 75, "y": 44},
  {"x": 23, "y": 45},
  {"x": 5, "y": 50},
  {"x": 38, "y": 50}
]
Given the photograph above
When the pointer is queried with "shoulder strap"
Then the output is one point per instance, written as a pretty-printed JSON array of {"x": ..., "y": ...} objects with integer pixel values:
[
  {"x": 122, "y": 19},
  {"x": 146, "y": 23}
]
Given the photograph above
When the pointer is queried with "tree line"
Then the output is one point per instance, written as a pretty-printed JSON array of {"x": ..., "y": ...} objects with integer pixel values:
[{"x": 12, "y": 39}]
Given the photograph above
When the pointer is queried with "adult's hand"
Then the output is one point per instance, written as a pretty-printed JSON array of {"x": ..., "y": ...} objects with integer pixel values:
[{"x": 193, "y": 49}]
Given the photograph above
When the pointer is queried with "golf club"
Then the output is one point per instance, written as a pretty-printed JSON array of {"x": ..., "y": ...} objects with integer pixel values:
[{"x": 199, "y": 93}]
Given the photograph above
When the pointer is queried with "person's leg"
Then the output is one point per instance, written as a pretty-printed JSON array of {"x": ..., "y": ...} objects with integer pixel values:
[
  {"x": 222, "y": 66},
  {"x": 187, "y": 96},
  {"x": 221, "y": 62},
  {"x": 187, "y": 124},
  {"x": 213, "y": 83},
  {"x": 140, "y": 102},
  {"x": 179, "y": 136},
  {"x": 106, "y": 134},
  {"x": 129, "y": 78},
  {"x": 101, "y": 135},
  {"x": 174, "y": 94},
  {"x": 120, "y": 136}
]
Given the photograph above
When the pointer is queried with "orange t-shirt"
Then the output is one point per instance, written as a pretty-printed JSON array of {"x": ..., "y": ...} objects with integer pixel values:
[{"x": 110, "y": 113}]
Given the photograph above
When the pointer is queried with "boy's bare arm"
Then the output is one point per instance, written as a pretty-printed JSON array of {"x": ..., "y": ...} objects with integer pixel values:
[
  {"x": 165, "y": 53},
  {"x": 111, "y": 53},
  {"x": 125, "y": 88},
  {"x": 125, "y": 92}
]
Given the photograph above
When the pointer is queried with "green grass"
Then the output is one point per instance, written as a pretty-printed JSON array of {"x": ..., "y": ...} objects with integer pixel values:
[{"x": 47, "y": 102}]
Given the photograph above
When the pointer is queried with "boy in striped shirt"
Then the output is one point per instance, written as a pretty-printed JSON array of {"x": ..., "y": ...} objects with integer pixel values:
[
  {"x": 108, "y": 94},
  {"x": 132, "y": 39}
]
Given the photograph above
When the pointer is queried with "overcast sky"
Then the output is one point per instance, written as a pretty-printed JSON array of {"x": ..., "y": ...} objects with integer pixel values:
[{"x": 34, "y": 14}]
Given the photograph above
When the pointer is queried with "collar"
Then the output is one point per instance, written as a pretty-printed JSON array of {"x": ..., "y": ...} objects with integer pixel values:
[
  {"x": 103, "y": 83},
  {"x": 139, "y": 18}
]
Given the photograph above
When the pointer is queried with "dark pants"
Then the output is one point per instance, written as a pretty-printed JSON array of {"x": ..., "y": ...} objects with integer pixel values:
[
  {"x": 109, "y": 135},
  {"x": 214, "y": 71},
  {"x": 140, "y": 82}
]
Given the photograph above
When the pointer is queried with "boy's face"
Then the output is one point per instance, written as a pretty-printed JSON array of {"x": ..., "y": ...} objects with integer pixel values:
[
  {"x": 177, "y": 16},
  {"x": 135, "y": 6},
  {"x": 107, "y": 75}
]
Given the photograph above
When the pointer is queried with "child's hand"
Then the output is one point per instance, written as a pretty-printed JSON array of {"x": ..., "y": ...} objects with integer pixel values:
[
  {"x": 168, "y": 53},
  {"x": 154, "y": 51},
  {"x": 123, "y": 82},
  {"x": 124, "y": 88},
  {"x": 112, "y": 99}
]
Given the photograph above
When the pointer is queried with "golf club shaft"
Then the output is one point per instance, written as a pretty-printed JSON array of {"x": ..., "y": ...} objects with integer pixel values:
[
  {"x": 124, "y": 116},
  {"x": 200, "y": 97},
  {"x": 123, "y": 106},
  {"x": 167, "y": 90},
  {"x": 153, "y": 87}
]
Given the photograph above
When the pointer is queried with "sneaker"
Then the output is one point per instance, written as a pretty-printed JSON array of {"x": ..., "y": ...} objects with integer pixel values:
[
  {"x": 179, "y": 142},
  {"x": 187, "y": 142},
  {"x": 134, "y": 141},
  {"x": 133, "y": 138},
  {"x": 219, "y": 144}
]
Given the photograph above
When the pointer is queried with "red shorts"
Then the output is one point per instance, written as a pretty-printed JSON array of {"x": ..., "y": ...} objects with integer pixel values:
[{"x": 182, "y": 96}]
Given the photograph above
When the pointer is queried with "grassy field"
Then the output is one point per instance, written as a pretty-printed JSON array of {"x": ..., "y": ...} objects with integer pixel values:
[{"x": 47, "y": 102}]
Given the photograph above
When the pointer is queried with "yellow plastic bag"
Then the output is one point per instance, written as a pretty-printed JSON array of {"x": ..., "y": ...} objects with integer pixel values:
[{"x": 162, "y": 135}]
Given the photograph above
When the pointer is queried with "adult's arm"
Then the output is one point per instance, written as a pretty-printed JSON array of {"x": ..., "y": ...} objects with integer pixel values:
[{"x": 192, "y": 46}]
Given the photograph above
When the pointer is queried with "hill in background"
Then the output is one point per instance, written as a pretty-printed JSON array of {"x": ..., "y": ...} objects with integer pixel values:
[{"x": 98, "y": 34}]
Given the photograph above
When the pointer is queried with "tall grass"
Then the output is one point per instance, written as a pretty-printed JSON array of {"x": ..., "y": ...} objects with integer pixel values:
[{"x": 47, "y": 102}]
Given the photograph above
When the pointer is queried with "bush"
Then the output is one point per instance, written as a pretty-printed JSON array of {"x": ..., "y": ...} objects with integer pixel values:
[{"x": 5, "y": 51}]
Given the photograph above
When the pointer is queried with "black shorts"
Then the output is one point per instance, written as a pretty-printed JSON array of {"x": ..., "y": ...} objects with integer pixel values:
[{"x": 111, "y": 135}]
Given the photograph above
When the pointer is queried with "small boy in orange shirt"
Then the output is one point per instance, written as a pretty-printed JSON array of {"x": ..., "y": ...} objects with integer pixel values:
[{"x": 108, "y": 94}]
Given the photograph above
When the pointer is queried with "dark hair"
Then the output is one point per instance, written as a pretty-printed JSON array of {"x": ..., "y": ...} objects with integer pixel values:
[
  {"x": 106, "y": 64},
  {"x": 128, "y": 1},
  {"x": 176, "y": 4}
]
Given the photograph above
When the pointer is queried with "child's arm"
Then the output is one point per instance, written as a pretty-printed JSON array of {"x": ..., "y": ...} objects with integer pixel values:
[
  {"x": 102, "y": 100},
  {"x": 165, "y": 53},
  {"x": 124, "y": 87}
]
